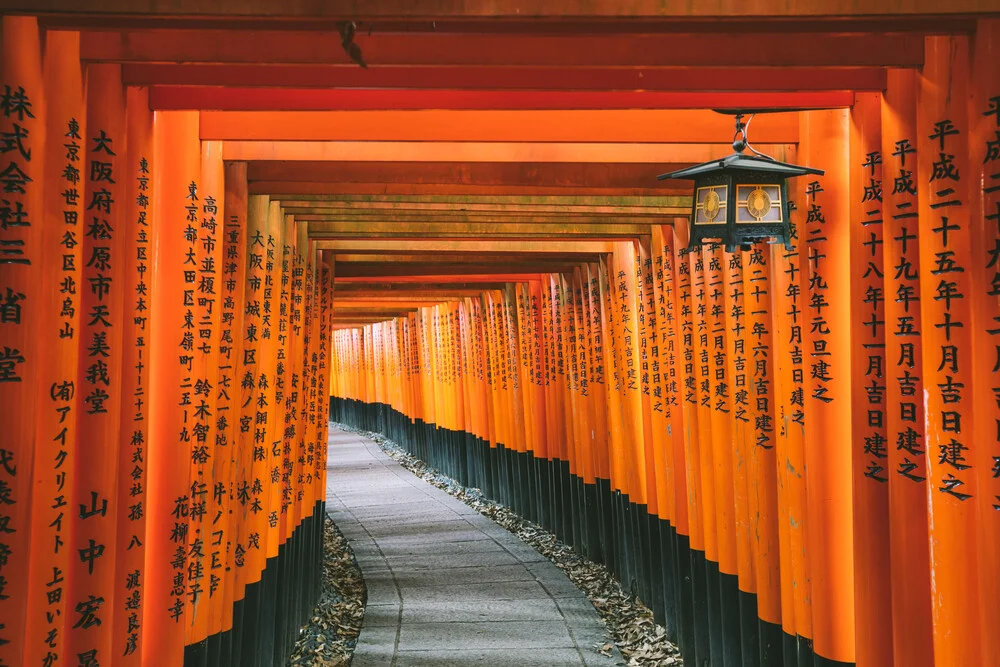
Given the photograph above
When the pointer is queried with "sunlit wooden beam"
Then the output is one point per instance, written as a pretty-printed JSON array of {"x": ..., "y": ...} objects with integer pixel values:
[
  {"x": 495, "y": 151},
  {"x": 276, "y": 189},
  {"x": 564, "y": 10},
  {"x": 346, "y": 230},
  {"x": 737, "y": 49},
  {"x": 409, "y": 246},
  {"x": 580, "y": 176},
  {"x": 311, "y": 99},
  {"x": 584, "y": 126},
  {"x": 785, "y": 79},
  {"x": 462, "y": 271}
]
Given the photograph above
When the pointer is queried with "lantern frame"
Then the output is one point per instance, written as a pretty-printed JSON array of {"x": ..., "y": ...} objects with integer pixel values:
[{"x": 728, "y": 185}]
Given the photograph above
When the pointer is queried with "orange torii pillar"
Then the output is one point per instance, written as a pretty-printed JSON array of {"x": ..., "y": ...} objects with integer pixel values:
[
  {"x": 694, "y": 610},
  {"x": 870, "y": 444},
  {"x": 94, "y": 506},
  {"x": 235, "y": 453},
  {"x": 208, "y": 485},
  {"x": 717, "y": 264},
  {"x": 910, "y": 574},
  {"x": 22, "y": 314},
  {"x": 742, "y": 426},
  {"x": 271, "y": 425},
  {"x": 944, "y": 187},
  {"x": 667, "y": 406},
  {"x": 825, "y": 284},
  {"x": 133, "y": 468},
  {"x": 790, "y": 366},
  {"x": 177, "y": 150},
  {"x": 249, "y": 551},
  {"x": 984, "y": 144},
  {"x": 597, "y": 388},
  {"x": 58, "y": 303},
  {"x": 706, "y": 573},
  {"x": 762, "y": 463},
  {"x": 651, "y": 586}
]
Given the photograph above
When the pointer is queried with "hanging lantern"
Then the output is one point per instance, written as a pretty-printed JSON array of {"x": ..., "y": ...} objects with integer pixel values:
[{"x": 740, "y": 199}]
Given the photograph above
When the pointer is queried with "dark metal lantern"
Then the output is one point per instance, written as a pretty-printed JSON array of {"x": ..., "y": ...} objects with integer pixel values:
[{"x": 740, "y": 199}]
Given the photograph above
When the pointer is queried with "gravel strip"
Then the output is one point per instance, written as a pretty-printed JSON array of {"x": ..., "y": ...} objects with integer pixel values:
[
  {"x": 641, "y": 641},
  {"x": 330, "y": 637}
]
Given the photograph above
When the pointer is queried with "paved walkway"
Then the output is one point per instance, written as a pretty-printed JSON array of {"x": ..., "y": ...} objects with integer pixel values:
[{"x": 446, "y": 585}]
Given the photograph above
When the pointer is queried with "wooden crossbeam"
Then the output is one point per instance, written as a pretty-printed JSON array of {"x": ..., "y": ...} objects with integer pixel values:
[
  {"x": 389, "y": 288},
  {"x": 429, "y": 10},
  {"x": 489, "y": 49},
  {"x": 345, "y": 230},
  {"x": 326, "y": 188},
  {"x": 673, "y": 79},
  {"x": 455, "y": 258},
  {"x": 493, "y": 151},
  {"x": 551, "y": 204},
  {"x": 534, "y": 174},
  {"x": 409, "y": 246},
  {"x": 440, "y": 278},
  {"x": 692, "y": 126},
  {"x": 311, "y": 99},
  {"x": 459, "y": 271}
]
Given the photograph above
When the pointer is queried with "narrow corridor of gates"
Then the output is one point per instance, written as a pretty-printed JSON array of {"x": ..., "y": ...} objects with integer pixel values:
[{"x": 442, "y": 221}]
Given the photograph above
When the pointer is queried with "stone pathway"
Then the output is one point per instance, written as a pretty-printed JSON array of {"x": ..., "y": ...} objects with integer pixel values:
[{"x": 446, "y": 585}]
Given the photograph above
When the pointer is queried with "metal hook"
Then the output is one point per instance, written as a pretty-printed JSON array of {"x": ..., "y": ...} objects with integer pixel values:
[{"x": 746, "y": 138}]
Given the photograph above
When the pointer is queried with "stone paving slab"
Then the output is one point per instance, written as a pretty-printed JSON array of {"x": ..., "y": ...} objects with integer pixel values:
[{"x": 446, "y": 585}]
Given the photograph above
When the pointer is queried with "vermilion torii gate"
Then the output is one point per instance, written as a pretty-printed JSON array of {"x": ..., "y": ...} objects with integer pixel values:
[{"x": 211, "y": 219}]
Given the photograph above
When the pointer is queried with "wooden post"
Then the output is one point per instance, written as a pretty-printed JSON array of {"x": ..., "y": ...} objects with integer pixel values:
[
  {"x": 762, "y": 462},
  {"x": 133, "y": 470},
  {"x": 742, "y": 425},
  {"x": 870, "y": 448},
  {"x": 984, "y": 142},
  {"x": 720, "y": 384},
  {"x": 22, "y": 314},
  {"x": 913, "y": 639},
  {"x": 238, "y": 459},
  {"x": 789, "y": 320},
  {"x": 825, "y": 281},
  {"x": 177, "y": 151},
  {"x": 92, "y": 575},
  {"x": 210, "y": 456},
  {"x": 946, "y": 260},
  {"x": 57, "y": 302}
]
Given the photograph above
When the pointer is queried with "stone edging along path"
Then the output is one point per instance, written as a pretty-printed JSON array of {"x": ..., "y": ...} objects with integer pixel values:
[{"x": 639, "y": 640}]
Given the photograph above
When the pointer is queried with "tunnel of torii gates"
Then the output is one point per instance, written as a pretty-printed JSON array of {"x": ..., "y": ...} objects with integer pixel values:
[{"x": 212, "y": 220}]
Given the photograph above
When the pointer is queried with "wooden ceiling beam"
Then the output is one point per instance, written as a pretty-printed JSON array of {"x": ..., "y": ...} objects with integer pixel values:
[
  {"x": 673, "y": 79},
  {"x": 479, "y": 151},
  {"x": 728, "y": 49},
  {"x": 514, "y": 10},
  {"x": 419, "y": 288},
  {"x": 657, "y": 126},
  {"x": 602, "y": 204},
  {"x": 539, "y": 258},
  {"x": 411, "y": 246},
  {"x": 441, "y": 278},
  {"x": 423, "y": 272},
  {"x": 311, "y": 99},
  {"x": 300, "y": 188},
  {"x": 580, "y": 176},
  {"x": 343, "y": 230}
]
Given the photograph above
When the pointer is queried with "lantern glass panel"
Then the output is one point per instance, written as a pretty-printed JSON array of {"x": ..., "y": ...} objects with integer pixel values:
[
  {"x": 711, "y": 205},
  {"x": 759, "y": 203}
]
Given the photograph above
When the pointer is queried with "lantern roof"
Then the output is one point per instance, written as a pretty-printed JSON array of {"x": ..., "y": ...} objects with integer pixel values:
[{"x": 741, "y": 162}]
